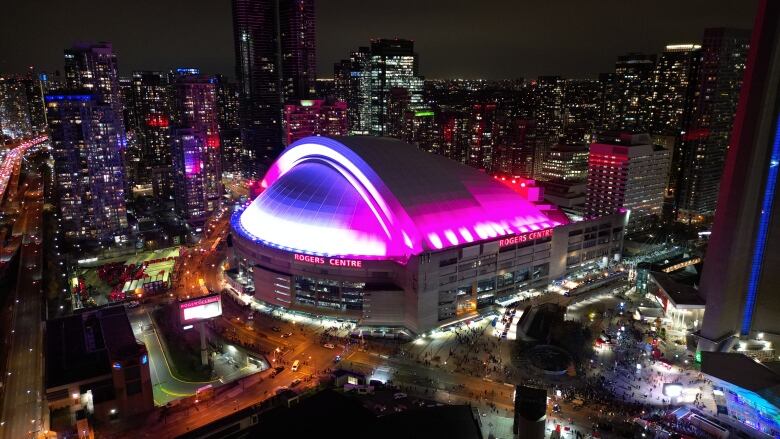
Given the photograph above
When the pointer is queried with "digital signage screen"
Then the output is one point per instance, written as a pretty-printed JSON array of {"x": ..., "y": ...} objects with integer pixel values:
[{"x": 201, "y": 308}]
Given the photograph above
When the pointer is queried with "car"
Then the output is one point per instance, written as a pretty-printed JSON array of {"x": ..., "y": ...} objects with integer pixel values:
[
  {"x": 295, "y": 382},
  {"x": 276, "y": 371},
  {"x": 287, "y": 334},
  {"x": 329, "y": 346},
  {"x": 400, "y": 395},
  {"x": 133, "y": 304},
  {"x": 337, "y": 359},
  {"x": 295, "y": 365},
  {"x": 276, "y": 329}
]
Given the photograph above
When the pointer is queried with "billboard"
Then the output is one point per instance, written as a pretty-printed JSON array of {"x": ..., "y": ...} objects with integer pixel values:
[{"x": 201, "y": 308}]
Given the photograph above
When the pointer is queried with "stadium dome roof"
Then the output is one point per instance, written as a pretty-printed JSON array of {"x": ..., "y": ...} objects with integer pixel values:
[{"x": 378, "y": 197}]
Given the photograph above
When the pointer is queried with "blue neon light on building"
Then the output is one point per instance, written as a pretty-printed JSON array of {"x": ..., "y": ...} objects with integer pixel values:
[
  {"x": 79, "y": 97},
  {"x": 763, "y": 227}
]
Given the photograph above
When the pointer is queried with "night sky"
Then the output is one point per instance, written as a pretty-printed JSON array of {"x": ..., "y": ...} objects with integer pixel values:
[{"x": 468, "y": 39}]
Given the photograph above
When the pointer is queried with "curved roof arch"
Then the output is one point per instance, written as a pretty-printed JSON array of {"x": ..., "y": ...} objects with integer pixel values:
[{"x": 378, "y": 197}]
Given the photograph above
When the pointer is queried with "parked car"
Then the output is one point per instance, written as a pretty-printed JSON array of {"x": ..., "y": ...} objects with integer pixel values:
[{"x": 329, "y": 346}]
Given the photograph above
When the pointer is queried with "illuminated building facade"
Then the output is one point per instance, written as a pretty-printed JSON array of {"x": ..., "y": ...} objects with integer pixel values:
[
  {"x": 454, "y": 134},
  {"x": 674, "y": 89},
  {"x": 628, "y": 93},
  {"x": 88, "y": 171},
  {"x": 626, "y": 172},
  {"x": 152, "y": 109},
  {"x": 93, "y": 67},
  {"x": 367, "y": 79},
  {"x": 15, "y": 120},
  {"x": 515, "y": 146},
  {"x": 275, "y": 63},
  {"x": 319, "y": 117},
  {"x": 581, "y": 109},
  {"x": 420, "y": 128},
  {"x": 196, "y": 149},
  {"x": 548, "y": 96},
  {"x": 352, "y": 84},
  {"x": 706, "y": 140},
  {"x": 674, "y": 85},
  {"x": 480, "y": 145},
  {"x": 393, "y": 64},
  {"x": 395, "y": 237},
  {"x": 565, "y": 163},
  {"x": 228, "y": 116}
]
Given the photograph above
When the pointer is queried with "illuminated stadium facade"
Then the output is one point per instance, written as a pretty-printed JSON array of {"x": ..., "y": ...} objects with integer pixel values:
[{"x": 376, "y": 231}]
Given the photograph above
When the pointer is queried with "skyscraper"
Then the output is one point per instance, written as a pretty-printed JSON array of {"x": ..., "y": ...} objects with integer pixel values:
[
  {"x": 706, "y": 139},
  {"x": 581, "y": 109},
  {"x": 392, "y": 64},
  {"x": 14, "y": 111},
  {"x": 196, "y": 145},
  {"x": 36, "y": 108},
  {"x": 228, "y": 116},
  {"x": 515, "y": 146},
  {"x": 674, "y": 87},
  {"x": 674, "y": 84},
  {"x": 548, "y": 108},
  {"x": 152, "y": 108},
  {"x": 93, "y": 67},
  {"x": 629, "y": 93},
  {"x": 626, "y": 171},
  {"x": 319, "y": 117},
  {"x": 298, "y": 51},
  {"x": 87, "y": 167},
  {"x": 352, "y": 84},
  {"x": 275, "y": 63},
  {"x": 369, "y": 80},
  {"x": 480, "y": 142}
]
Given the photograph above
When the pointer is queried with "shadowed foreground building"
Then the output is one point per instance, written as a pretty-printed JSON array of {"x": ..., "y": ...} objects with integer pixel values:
[
  {"x": 331, "y": 413},
  {"x": 95, "y": 368}
]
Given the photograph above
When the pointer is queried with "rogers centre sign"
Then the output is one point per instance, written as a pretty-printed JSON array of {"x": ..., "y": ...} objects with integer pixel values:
[
  {"x": 334, "y": 262},
  {"x": 525, "y": 237}
]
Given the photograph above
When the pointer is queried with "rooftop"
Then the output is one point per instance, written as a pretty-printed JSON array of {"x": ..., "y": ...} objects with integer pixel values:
[
  {"x": 81, "y": 347},
  {"x": 378, "y": 197}
]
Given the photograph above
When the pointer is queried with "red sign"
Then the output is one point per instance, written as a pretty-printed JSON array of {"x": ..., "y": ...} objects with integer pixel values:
[
  {"x": 334, "y": 262},
  {"x": 199, "y": 301},
  {"x": 525, "y": 237}
]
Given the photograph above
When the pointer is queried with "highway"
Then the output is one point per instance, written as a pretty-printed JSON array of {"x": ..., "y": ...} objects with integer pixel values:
[
  {"x": 12, "y": 161},
  {"x": 23, "y": 402}
]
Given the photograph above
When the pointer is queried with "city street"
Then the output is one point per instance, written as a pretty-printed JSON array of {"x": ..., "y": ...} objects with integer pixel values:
[{"x": 23, "y": 404}]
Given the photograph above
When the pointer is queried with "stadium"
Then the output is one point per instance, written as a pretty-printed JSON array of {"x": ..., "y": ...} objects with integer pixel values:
[{"x": 376, "y": 231}]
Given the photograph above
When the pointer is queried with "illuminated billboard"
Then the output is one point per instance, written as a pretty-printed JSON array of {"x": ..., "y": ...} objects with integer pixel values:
[{"x": 201, "y": 308}]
